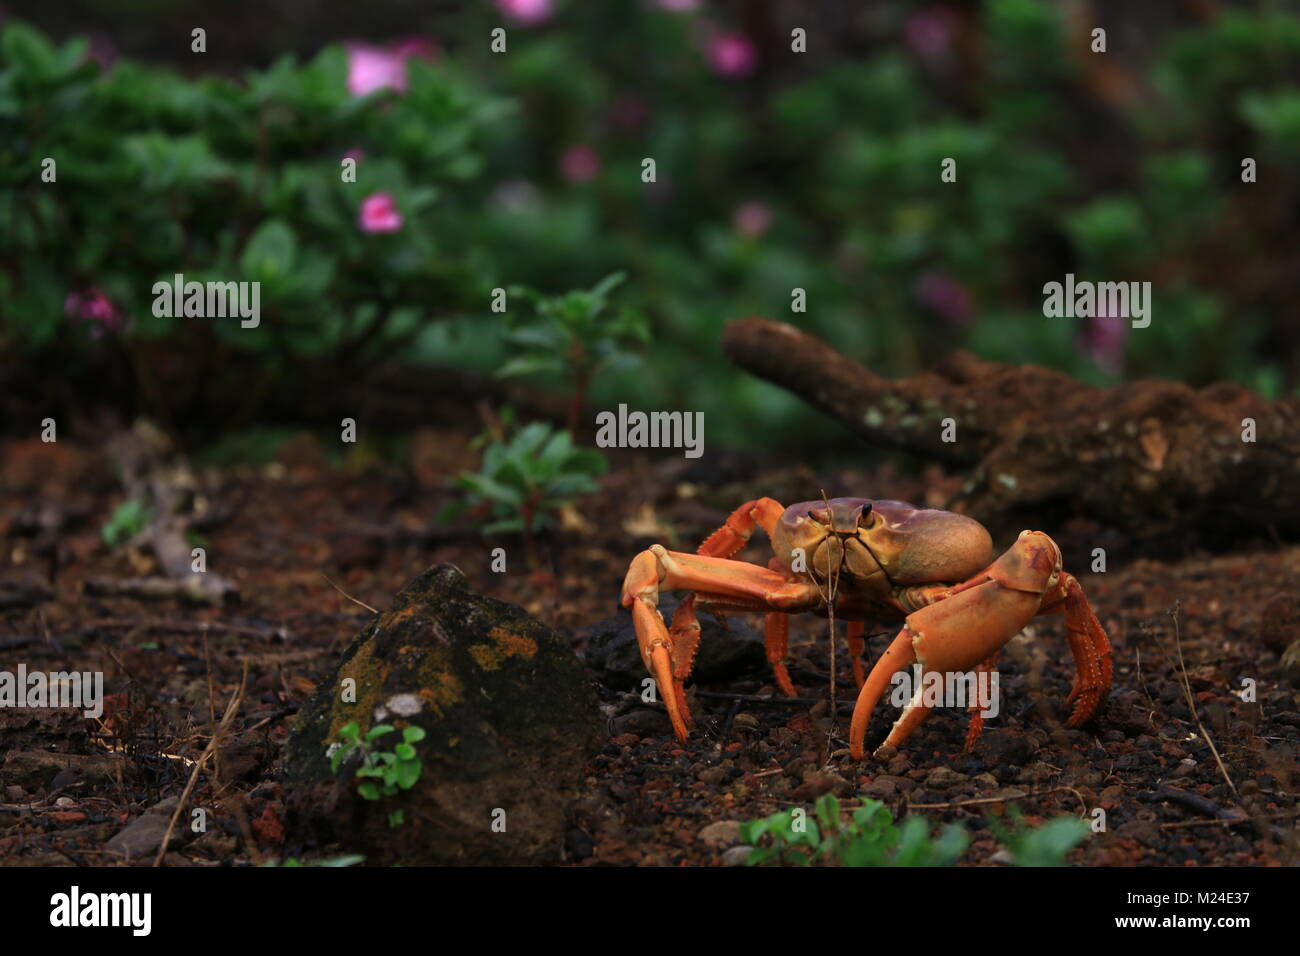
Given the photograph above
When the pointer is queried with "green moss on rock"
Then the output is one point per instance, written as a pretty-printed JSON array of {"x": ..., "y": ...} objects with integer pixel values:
[{"x": 509, "y": 717}]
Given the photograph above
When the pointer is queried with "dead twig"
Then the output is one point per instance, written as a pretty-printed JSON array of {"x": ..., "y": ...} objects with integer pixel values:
[
  {"x": 232, "y": 709},
  {"x": 347, "y": 595},
  {"x": 1191, "y": 705}
]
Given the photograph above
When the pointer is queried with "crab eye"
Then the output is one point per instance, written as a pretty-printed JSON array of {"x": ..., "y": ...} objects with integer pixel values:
[{"x": 864, "y": 518}]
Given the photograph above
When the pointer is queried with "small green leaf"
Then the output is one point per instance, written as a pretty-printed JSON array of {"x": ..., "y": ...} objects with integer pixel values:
[{"x": 368, "y": 790}]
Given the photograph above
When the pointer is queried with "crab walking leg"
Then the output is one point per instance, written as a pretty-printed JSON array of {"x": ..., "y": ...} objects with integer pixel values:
[
  {"x": 733, "y": 584},
  {"x": 726, "y": 543},
  {"x": 857, "y": 646},
  {"x": 1091, "y": 650},
  {"x": 776, "y": 638},
  {"x": 976, "y": 726},
  {"x": 684, "y": 633},
  {"x": 735, "y": 533}
]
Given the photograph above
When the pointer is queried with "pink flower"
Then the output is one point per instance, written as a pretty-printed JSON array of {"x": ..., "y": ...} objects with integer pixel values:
[
  {"x": 678, "y": 6},
  {"x": 373, "y": 68},
  {"x": 946, "y": 297},
  {"x": 93, "y": 306},
  {"x": 930, "y": 31},
  {"x": 579, "y": 164},
  {"x": 752, "y": 219},
  {"x": 732, "y": 55},
  {"x": 379, "y": 214},
  {"x": 526, "y": 11},
  {"x": 1103, "y": 339}
]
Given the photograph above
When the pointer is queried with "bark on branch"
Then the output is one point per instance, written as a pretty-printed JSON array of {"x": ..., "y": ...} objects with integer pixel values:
[{"x": 1150, "y": 456}]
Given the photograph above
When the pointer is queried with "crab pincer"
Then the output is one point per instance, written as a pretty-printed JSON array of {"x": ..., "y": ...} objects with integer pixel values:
[{"x": 967, "y": 627}]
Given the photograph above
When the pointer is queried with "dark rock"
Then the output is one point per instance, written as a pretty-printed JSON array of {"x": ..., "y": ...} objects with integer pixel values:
[
  {"x": 641, "y": 722},
  {"x": 725, "y": 650},
  {"x": 509, "y": 717},
  {"x": 140, "y": 839},
  {"x": 65, "y": 778},
  {"x": 579, "y": 844}
]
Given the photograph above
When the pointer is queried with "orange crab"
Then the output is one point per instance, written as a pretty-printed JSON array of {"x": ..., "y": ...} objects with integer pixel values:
[{"x": 868, "y": 561}]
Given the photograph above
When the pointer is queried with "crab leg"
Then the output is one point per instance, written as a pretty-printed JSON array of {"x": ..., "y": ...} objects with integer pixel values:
[
  {"x": 976, "y": 725},
  {"x": 960, "y": 631},
  {"x": 735, "y": 533},
  {"x": 1090, "y": 647},
  {"x": 669, "y": 654},
  {"x": 776, "y": 637},
  {"x": 857, "y": 646}
]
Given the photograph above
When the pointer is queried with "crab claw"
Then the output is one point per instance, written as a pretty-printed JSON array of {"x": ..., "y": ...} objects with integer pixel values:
[
  {"x": 898, "y": 655},
  {"x": 962, "y": 629}
]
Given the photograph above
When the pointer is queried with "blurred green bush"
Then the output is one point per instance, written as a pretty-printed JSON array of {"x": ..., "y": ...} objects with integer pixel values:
[
  {"x": 775, "y": 171},
  {"x": 226, "y": 181}
]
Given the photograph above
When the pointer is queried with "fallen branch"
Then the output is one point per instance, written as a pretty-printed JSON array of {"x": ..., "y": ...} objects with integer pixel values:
[{"x": 1149, "y": 455}]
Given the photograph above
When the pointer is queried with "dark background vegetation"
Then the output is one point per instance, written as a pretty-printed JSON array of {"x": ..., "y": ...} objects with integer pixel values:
[{"x": 818, "y": 171}]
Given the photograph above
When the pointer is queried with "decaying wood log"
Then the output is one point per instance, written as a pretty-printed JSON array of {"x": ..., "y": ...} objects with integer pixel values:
[{"x": 1149, "y": 456}]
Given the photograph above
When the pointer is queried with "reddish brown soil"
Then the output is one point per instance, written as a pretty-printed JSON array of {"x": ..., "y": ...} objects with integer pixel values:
[{"x": 371, "y": 526}]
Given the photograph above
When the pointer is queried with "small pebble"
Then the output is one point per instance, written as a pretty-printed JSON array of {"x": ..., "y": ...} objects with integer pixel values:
[{"x": 737, "y": 856}]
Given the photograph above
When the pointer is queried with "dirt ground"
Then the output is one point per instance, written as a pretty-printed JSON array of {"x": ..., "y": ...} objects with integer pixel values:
[{"x": 282, "y": 532}]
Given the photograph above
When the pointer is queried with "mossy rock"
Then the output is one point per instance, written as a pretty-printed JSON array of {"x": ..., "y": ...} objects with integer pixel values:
[{"x": 509, "y": 717}]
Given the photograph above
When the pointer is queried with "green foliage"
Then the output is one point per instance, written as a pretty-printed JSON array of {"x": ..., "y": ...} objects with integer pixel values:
[
  {"x": 869, "y": 837},
  {"x": 127, "y": 520},
  {"x": 568, "y": 336},
  {"x": 382, "y": 773},
  {"x": 231, "y": 179},
  {"x": 1046, "y": 845},
  {"x": 235, "y": 181},
  {"x": 526, "y": 477}
]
